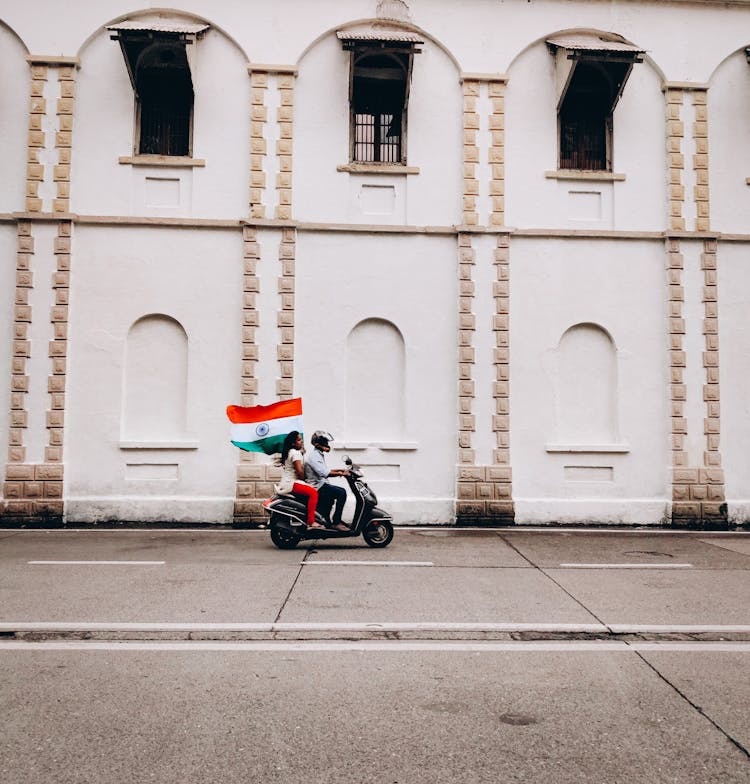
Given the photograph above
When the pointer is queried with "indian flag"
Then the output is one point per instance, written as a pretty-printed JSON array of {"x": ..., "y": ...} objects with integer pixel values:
[{"x": 264, "y": 428}]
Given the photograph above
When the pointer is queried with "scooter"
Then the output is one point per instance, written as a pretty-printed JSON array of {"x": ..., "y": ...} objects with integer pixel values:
[{"x": 288, "y": 517}]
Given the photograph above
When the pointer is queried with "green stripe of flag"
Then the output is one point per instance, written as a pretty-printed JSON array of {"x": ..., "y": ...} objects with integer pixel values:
[{"x": 268, "y": 446}]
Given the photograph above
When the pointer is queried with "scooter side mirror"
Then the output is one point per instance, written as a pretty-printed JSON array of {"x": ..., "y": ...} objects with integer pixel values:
[{"x": 347, "y": 460}]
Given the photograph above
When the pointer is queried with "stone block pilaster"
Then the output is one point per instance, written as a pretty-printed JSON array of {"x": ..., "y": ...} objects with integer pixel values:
[
  {"x": 471, "y": 152},
  {"x": 484, "y": 495},
  {"x": 22, "y": 317},
  {"x": 285, "y": 348},
  {"x": 247, "y": 507},
  {"x": 258, "y": 144},
  {"x": 63, "y": 138},
  {"x": 700, "y": 161},
  {"x": 466, "y": 351},
  {"x": 698, "y": 497},
  {"x": 33, "y": 491},
  {"x": 497, "y": 153},
  {"x": 484, "y": 492},
  {"x": 285, "y": 145},
  {"x": 250, "y": 315},
  {"x": 675, "y": 157},
  {"x": 255, "y": 483},
  {"x": 37, "y": 139}
]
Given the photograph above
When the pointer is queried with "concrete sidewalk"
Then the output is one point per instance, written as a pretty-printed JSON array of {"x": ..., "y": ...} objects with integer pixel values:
[{"x": 429, "y": 584}]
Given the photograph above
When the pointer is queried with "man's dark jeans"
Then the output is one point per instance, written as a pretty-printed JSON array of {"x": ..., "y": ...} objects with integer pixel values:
[{"x": 328, "y": 495}]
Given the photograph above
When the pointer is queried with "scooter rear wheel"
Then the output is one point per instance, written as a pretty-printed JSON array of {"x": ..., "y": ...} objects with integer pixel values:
[
  {"x": 378, "y": 533},
  {"x": 283, "y": 538}
]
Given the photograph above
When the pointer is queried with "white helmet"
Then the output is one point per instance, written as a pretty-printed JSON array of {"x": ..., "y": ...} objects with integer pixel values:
[{"x": 321, "y": 438}]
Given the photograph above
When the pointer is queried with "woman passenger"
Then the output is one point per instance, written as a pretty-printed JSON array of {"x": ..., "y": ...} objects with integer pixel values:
[{"x": 293, "y": 476}]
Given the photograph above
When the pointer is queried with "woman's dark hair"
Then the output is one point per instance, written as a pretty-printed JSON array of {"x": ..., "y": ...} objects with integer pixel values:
[{"x": 288, "y": 444}]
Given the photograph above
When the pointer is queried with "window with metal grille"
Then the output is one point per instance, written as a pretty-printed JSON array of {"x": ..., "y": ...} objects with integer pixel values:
[
  {"x": 586, "y": 121},
  {"x": 584, "y": 142},
  {"x": 378, "y": 105},
  {"x": 593, "y": 87},
  {"x": 158, "y": 67},
  {"x": 378, "y": 102}
]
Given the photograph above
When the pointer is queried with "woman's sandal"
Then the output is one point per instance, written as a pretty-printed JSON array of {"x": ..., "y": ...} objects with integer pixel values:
[{"x": 315, "y": 525}]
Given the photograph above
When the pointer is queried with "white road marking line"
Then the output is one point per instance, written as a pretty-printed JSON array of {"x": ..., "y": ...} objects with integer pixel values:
[
  {"x": 312, "y": 646},
  {"x": 386, "y": 646},
  {"x": 437, "y": 626},
  {"x": 68, "y": 626},
  {"x": 96, "y": 563},
  {"x": 693, "y": 647},
  {"x": 624, "y": 628},
  {"x": 427, "y": 626},
  {"x": 626, "y": 566},
  {"x": 367, "y": 563}
]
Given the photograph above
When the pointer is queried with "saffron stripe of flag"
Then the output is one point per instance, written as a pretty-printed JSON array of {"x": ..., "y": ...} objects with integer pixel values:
[{"x": 264, "y": 428}]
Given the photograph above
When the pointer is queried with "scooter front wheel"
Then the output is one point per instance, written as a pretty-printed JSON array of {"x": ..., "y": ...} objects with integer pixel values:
[
  {"x": 283, "y": 537},
  {"x": 378, "y": 533}
]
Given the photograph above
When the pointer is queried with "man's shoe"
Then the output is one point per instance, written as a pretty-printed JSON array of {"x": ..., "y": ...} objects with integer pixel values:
[{"x": 341, "y": 526}]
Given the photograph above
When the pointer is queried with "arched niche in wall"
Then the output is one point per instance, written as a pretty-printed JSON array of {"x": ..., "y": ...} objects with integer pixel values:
[
  {"x": 155, "y": 380},
  {"x": 586, "y": 387},
  {"x": 375, "y": 382}
]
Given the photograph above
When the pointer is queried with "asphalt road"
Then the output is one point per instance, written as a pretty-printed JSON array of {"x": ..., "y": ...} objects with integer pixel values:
[{"x": 487, "y": 656}]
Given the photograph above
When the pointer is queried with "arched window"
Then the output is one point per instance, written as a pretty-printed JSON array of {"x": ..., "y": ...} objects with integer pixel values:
[
  {"x": 587, "y": 386},
  {"x": 375, "y": 376},
  {"x": 155, "y": 383},
  {"x": 158, "y": 56},
  {"x": 591, "y": 73}
]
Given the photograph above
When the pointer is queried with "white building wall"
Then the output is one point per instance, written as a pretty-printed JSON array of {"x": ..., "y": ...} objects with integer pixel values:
[
  {"x": 14, "y": 118},
  {"x": 8, "y": 244},
  {"x": 555, "y": 285},
  {"x": 535, "y": 198},
  {"x": 582, "y": 251},
  {"x": 323, "y": 194},
  {"x": 734, "y": 336},
  {"x": 120, "y": 276},
  {"x": 343, "y": 279},
  {"x": 105, "y": 132},
  {"x": 729, "y": 150}
]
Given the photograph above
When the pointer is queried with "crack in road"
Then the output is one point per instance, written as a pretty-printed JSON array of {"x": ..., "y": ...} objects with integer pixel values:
[
  {"x": 308, "y": 553},
  {"x": 552, "y": 580},
  {"x": 693, "y": 705}
]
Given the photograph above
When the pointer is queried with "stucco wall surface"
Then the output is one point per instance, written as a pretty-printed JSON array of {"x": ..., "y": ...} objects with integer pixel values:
[
  {"x": 556, "y": 286},
  {"x": 409, "y": 282},
  {"x": 103, "y": 134},
  {"x": 121, "y": 276},
  {"x": 485, "y": 38},
  {"x": 734, "y": 335},
  {"x": 730, "y": 155},
  {"x": 13, "y": 118},
  {"x": 474, "y": 325},
  {"x": 8, "y": 243},
  {"x": 322, "y": 144}
]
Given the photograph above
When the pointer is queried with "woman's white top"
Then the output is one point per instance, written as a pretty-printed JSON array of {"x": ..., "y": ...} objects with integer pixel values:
[{"x": 288, "y": 474}]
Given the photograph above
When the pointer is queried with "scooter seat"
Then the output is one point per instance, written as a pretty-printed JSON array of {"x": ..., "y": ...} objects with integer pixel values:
[{"x": 294, "y": 501}]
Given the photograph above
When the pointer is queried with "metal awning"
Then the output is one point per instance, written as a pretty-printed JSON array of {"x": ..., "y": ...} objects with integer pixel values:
[
  {"x": 617, "y": 57},
  {"x": 135, "y": 35},
  {"x": 378, "y": 32},
  {"x": 159, "y": 26},
  {"x": 590, "y": 42}
]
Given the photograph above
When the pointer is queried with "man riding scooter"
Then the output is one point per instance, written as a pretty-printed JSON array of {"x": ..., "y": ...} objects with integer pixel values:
[{"x": 317, "y": 473}]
